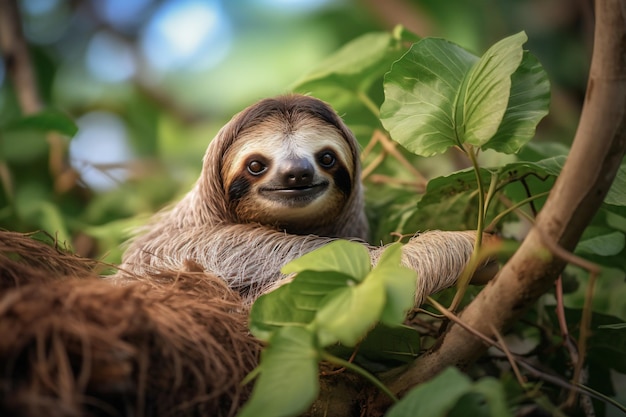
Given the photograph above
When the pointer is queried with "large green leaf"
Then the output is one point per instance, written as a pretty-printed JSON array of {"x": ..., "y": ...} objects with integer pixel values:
[
  {"x": 296, "y": 303},
  {"x": 385, "y": 294},
  {"x": 481, "y": 107},
  {"x": 340, "y": 307},
  {"x": 287, "y": 384},
  {"x": 441, "y": 188},
  {"x": 421, "y": 90},
  {"x": 438, "y": 95},
  {"x": 528, "y": 104},
  {"x": 350, "y": 312},
  {"x": 399, "y": 283}
]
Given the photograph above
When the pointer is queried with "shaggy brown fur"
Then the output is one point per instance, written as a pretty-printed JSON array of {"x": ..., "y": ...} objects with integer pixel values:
[
  {"x": 73, "y": 344},
  {"x": 248, "y": 254}
]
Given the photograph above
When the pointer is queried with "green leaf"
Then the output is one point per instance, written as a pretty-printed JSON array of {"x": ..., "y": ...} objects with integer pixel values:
[
  {"x": 617, "y": 193},
  {"x": 438, "y": 95},
  {"x": 384, "y": 343},
  {"x": 434, "y": 398},
  {"x": 352, "y": 65},
  {"x": 287, "y": 384},
  {"x": 350, "y": 312},
  {"x": 529, "y": 102},
  {"x": 295, "y": 303},
  {"x": 606, "y": 344},
  {"x": 348, "y": 258},
  {"x": 357, "y": 64},
  {"x": 617, "y": 326},
  {"x": 493, "y": 392},
  {"x": 45, "y": 121},
  {"x": 421, "y": 90},
  {"x": 441, "y": 188},
  {"x": 441, "y": 395},
  {"x": 399, "y": 282},
  {"x": 608, "y": 244},
  {"x": 488, "y": 89}
]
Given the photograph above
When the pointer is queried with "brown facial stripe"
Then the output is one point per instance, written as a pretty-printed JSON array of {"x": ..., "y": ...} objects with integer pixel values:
[
  {"x": 238, "y": 188},
  {"x": 342, "y": 179}
]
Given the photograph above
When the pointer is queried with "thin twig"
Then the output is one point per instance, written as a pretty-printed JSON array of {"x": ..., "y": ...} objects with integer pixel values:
[
  {"x": 386, "y": 179},
  {"x": 524, "y": 363},
  {"x": 520, "y": 378},
  {"x": 585, "y": 322},
  {"x": 16, "y": 57},
  {"x": 391, "y": 149}
]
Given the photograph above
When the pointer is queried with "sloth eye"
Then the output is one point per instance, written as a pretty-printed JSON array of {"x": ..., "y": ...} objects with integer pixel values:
[
  {"x": 256, "y": 167},
  {"x": 327, "y": 160}
]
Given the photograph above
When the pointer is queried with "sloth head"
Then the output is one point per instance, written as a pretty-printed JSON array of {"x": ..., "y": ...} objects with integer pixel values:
[{"x": 291, "y": 163}]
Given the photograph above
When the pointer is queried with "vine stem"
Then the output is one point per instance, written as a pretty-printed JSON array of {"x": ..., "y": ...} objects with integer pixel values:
[
  {"x": 475, "y": 256},
  {"x": 357, "y": 369},
  {"x": 514, "y": 207}
]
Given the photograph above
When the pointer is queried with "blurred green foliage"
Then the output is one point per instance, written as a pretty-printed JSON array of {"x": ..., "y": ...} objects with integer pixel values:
[{"x": 168, "y": 117}]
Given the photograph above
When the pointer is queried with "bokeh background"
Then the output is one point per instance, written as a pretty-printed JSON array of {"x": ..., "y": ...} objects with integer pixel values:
[{"x": 149, "y": 83}]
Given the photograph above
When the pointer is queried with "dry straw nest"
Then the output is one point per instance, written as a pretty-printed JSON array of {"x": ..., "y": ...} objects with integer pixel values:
[{"x": 74, "y": 344}]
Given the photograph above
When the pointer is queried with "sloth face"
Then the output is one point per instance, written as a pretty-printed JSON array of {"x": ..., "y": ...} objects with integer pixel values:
[{"x": 297, "y": 176}]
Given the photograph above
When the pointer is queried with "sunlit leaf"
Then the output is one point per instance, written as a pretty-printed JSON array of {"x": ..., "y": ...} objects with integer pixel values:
[
  {"x": 350, "y": 312},
  {"x": 287, "y": 384},
  {"x": 295, "y": 303},
  {"x": 399, "y": 282},
  {"x": 482, "y": 105},
  {"x": 528, "y": 104},
  {"x": 349, "y": 258},
  {"x": 438, "y": 95}
]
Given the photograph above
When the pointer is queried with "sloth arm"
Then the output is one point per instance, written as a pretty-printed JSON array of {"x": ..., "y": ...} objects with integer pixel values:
[{"x": 249, "y": 257}]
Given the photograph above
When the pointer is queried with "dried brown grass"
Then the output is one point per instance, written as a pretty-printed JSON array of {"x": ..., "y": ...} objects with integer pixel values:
[{"x": 74, "y": 344}]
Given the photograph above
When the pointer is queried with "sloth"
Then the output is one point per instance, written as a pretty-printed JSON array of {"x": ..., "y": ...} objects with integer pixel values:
[{"x": 279, "y": 180}]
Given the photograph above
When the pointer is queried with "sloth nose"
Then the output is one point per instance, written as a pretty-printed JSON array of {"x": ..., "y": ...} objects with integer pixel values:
[{"x": 297, "y": 172}]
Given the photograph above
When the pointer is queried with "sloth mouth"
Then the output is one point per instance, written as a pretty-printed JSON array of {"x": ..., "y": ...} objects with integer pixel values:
[{"x": 297, "y": 195}]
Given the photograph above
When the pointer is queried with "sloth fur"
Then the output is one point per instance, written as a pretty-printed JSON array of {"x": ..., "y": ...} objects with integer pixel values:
[
  {"x": 74, "y": 344},
  {"x": 281, "y": 179}
]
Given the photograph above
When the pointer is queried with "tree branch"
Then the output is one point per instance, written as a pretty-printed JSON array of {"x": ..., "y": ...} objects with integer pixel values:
[
  {"x": 595, "y": 157},
  {"x": 16, "y": 58}
]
